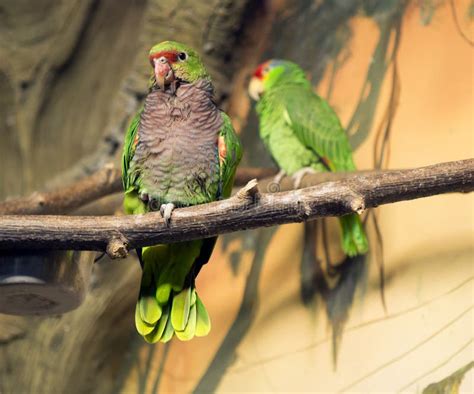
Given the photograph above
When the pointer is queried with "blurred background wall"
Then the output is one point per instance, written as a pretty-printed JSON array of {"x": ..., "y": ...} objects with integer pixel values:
[{"x": 288, "y": 312}]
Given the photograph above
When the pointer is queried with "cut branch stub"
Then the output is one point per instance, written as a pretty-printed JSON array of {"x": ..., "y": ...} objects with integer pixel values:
[
  {"x": 249, "y": 192},
  {"x": 117, "y": 247},
  {"x": 355, "y": 201}
]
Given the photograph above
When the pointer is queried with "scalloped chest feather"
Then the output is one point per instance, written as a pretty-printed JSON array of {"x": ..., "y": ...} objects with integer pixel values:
[{"x": 176, "y": 156}]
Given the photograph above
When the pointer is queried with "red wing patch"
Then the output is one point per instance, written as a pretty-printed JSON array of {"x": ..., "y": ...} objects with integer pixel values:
[
  {"x": 222, "y": 149},
  {"x": 135, "y": 141},
  {"x": 326, "y": 162}
]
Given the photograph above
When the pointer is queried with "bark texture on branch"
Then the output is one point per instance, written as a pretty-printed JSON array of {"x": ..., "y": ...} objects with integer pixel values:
[
  {"x": 88, "y": 189},
  {"x": 247, "y": 209}
]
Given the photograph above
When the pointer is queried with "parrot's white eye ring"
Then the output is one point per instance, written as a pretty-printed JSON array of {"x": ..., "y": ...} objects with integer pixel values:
[{"x": 182, "y": 56}]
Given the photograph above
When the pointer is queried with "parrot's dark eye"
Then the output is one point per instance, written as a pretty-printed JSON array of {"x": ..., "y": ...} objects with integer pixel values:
[{"x": 182, "y": 56}]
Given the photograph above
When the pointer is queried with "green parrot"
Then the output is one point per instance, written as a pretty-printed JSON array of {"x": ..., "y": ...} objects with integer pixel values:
[
  {"x": 180, "y": 150},
  {"x": 303, "y": 134}
]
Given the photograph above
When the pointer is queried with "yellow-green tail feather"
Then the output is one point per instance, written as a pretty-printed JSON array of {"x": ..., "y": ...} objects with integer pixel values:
[
  {"x": 354, "y": 239},
  {"x": 168, "y": 303}
]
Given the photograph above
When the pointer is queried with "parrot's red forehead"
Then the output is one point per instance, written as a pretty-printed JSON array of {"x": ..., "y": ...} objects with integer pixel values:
[
  {"x": 259, "y": 71},
  {"x": 171, "y": 56}
]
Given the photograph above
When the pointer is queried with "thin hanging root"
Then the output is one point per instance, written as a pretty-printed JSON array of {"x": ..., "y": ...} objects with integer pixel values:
[
  {"x": 382, "y": 144},
  {"x": 458, "y": 25},
  {"x": 380, "y": 260}
]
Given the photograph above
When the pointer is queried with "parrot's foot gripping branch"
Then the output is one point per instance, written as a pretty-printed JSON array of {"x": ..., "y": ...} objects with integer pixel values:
[
  {"x": 166, "y": 210},
  {"x": 300, "y": 174},
  {"x": 278, "y": 177}
]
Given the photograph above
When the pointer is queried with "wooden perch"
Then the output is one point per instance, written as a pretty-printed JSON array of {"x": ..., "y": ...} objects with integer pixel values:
[
  {"x": 247, "y": 209},
  {"x": 100, "y": 184}
]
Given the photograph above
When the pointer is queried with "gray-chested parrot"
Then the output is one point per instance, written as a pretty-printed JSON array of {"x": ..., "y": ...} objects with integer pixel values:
[{"x": 180, "y": 150}]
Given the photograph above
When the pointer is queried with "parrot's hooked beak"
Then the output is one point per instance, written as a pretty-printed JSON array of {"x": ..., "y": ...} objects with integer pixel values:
[
  {"x": 164, "y": 74},
  {"x": 255, "y": 88}
]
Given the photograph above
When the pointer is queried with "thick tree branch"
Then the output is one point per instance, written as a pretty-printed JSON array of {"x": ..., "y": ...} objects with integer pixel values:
[
  {"x": 100, "y": 184},
  {"x": 247, "y": 209}
]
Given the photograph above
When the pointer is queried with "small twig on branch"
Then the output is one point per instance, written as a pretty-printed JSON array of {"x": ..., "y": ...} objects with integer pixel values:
[{"x": 247, "y": 209}]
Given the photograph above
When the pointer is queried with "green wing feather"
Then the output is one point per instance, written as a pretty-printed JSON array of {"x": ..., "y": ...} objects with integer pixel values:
[
  {"x": 132, "y": 204},
  {"x": 318, "y": 127},
  {"x": 129, "y": 150},
  {"x": 233, "y": 154}
]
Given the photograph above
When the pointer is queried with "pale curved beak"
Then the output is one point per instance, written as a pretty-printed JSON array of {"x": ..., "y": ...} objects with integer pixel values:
[
  {"x": 164, "y": 74},
  {"x": 255, "y": 88}
]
